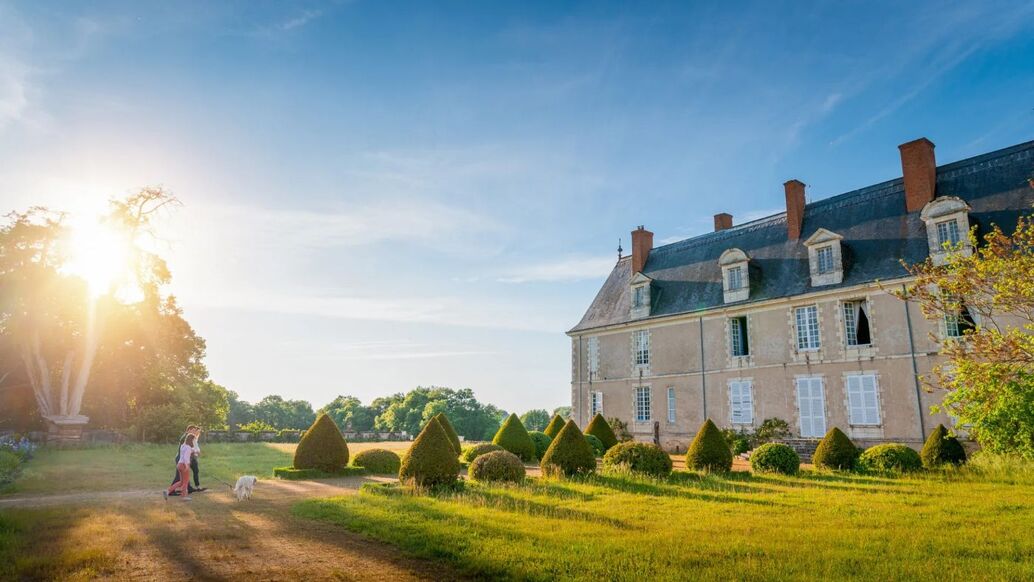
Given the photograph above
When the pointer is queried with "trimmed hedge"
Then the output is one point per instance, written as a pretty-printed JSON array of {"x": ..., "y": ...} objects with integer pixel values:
[
  {"x": 322, "y": 447},
  {"x": 453, "y": 437},
  {"x": 472, "y": 452},
  {"x": 431, "y": 461},
  {"x": 600, "y": 428},
  {"x": 709, "y": 451},
  {"x": 553, "y": 428},
  {"x": 835, "y": 451},
  {"x": 497, "y": 466},
  {"x": 292, "y": 474},
  {"x": 513, "y": 437},
  {"x": 597, "y": 446},
  {"x": 645, "y": 458},
  {"x": 892, "y": 457},
  {"x": 378, "y": 461},
  {"x": 775, "y": 458},
  {"x": 942, "y": 448},
  {"x": 570, "y": 453},
  {"x": 542, "y": 442}
]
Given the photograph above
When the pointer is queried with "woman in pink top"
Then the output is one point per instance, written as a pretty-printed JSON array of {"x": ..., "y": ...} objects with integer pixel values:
[{"x": 183, "y": 466}]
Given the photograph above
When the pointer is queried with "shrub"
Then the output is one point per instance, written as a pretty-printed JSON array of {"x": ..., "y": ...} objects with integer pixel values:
[
  {"x": 292, "y": 474},
  {"x": 597, "y": 446},
  {"x": 941, "y": 448},
  {"x": 9, "y": 463},
  {"x": 513, "y": 437},
  {"x": 553, "y": 428},
  {"x": 738, "y": 440},
  {"x": 472, "y": 452},
  {"x": 431, "y": 460},
  {"x": 599, "y": 428},
  {"x": 835, "y": 451},
  {"x": 379, "y": 461},
  {"x": 771, "y": 429},
  {"x": 709, "y": 451},
  {"x": 497, "y": 466},
  {"x": 570, "y": 453},
  {"x": 646, "y": 458},
  {"x": 453, "y": 437},
  {"x": 620, "y": 429},
  {"x": 891, "y": 457},
  {"x": 322, "y": 447},
  {"x": 542, "y": 442},
  {"x": 775, "y": 458}
]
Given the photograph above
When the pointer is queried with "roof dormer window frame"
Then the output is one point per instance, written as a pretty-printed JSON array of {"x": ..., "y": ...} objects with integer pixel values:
[
  {"x": 825, "y": 258},
  {"x": 947, "y": 221},
  {"x": 735, "y": 265},
  {"x": 639, "y": 298}
]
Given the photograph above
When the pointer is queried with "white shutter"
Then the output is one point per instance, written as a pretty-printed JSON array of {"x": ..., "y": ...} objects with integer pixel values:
[
  {"x": 599, "y": 402},
  {"x": 811, "y": 407}
]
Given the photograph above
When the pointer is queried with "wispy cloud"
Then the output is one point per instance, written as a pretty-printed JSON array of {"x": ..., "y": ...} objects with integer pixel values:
[
  {"x": 301, "y": 19},
  {"x": 567, "y": 269}
]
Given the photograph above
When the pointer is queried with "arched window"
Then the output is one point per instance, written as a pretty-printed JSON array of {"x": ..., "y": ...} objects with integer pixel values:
[
  {"x": 735, "y": 275},
  {"x": 947, "y": 227}
]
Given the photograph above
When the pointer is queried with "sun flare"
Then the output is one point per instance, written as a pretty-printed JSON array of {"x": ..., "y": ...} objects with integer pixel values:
[{"x": 99, "y": 255}]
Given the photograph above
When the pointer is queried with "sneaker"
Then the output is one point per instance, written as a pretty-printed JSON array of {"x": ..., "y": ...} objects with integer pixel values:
[
  {"x": 187, "y": 498},
  {"x": 173, "y": 494},
  {"x": 200, "y": 489}
]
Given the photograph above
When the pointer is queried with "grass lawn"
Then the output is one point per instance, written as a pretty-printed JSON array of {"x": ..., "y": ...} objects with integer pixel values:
[{"x": 970, "y": 524}]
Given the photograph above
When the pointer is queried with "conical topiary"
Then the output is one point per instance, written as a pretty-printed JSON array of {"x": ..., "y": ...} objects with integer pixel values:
[
  {"x": 600, "y": 428},
  {"x": 835, "y": 451},
  {"x": 453, "y": 437},
  {"x": 709, "y": 451},
  {"x": 940, "y": 448},
  {"x": 322, "y": 447},
  {"x": 513, "y": 437},
  {"x": 555, "y": 424},
  {"x": 431, "y": 460},
  {"x": 569, "y": 454}
]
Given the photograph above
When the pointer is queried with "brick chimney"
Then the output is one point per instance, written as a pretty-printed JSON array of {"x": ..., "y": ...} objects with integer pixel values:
[
  {"x": 642, "y": 243},
  {"x": 919, "y": 168},
  {"x": 794, "y": 208},
  {"x": 722, "y": 221}
]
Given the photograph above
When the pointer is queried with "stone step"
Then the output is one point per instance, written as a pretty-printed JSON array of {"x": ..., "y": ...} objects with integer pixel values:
[{"x": 803, "y": 447}]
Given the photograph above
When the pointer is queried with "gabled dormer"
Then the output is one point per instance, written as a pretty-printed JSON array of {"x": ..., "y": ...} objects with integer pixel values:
[
  {"x": 640, "y": 293},
  {"x": 947, "y": 227},
  {"x": 735, "y": 275},
  {"x": 825, "y": 258}
]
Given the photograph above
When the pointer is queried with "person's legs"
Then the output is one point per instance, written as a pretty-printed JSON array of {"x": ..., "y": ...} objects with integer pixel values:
[
  {"x": 184, "y": 479},
  {"x": 194, "y": 468}
]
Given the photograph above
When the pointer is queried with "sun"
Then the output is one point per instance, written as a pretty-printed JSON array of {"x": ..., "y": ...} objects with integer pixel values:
[{"x": 99, "y": 255}]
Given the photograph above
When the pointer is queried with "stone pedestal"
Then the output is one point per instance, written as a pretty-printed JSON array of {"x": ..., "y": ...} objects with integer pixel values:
[{"x": 65, "y": 430}]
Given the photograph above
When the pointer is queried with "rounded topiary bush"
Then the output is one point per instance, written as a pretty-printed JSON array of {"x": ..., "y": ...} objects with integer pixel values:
[
  {"x": 942, "y": 448},
  {"x": 600, "y": 428},
  {"x": 472, "y": 452},
  {"x": 597, "y": 446},
  {"x": 542, "y": 442},
  {"x": 553, "y": 428},
  {"x": 497, "y": 466},
  {"x": 709, "y": 451},
  {"x": 775, "y": 458},
  {"x": 835, "y": 451},
  {"x": 322, "y": 447},
  {"x": 453, "y": 437},
  {"x": 379, "y": 461},
  {"x": 431, "y": 460},
  {"x": 570, "y": 453},
  {"x": 646, "y": 458},
  {"x": 891, "y": 457},
  {"x": 513, "y": 437}
]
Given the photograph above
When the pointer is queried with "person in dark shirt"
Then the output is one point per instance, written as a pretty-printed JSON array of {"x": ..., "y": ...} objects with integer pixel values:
[{"x": 196, "y": 486}]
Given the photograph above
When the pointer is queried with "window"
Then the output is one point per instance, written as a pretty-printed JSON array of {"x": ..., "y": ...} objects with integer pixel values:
[
  {"x": 641, "y": 347},
  {"x": 735, "y": 275},
  {"x": 811, "y": 407},
  {"x": 595, "y": 403},
  {"x": 856, "y": 323},
  {"x": 948, "y": 233},
  {"x": 671, "y": 404},
  {"x": 594, "y": 356},
  {"x": 956, "y": 325},
  {"x": 824, "y": 258},
  {"x": 738, "y": 344},
  {"x": 741, "y": 402},
  {"x": 807, "y": 328},
  {"x": 862, "y": 399},
  {"x": 639, "y": 296},
  {"x": 735, "y": 278},
  {"x": 642, "y": 404}
]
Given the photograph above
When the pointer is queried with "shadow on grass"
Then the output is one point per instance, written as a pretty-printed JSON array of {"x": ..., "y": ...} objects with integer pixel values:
[
  {"x": 664, "y": 489},
  {"x": 499, "y": 500}
]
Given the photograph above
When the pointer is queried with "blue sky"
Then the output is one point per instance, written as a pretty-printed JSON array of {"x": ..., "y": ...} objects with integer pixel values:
[{"x": 380, "y": 194}]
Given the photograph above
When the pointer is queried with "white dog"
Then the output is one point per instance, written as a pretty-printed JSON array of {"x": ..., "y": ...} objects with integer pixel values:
[{"x": 244, "y": 487}]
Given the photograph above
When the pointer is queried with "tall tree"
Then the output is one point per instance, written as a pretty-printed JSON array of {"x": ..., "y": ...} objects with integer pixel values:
[{"x": 536, "y": 419}]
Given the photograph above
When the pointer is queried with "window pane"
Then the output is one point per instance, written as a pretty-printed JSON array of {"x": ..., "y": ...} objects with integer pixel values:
[
  {"x": 807, "y": 319},
  {"x": 825, "y": 259},
  {"x": 671, "y": 404},
  {"x": 642, "y": 404}
]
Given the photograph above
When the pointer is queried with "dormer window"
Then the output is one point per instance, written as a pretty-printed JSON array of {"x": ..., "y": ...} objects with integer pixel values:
[
  {"x": 825, "y": 258},
  {"x": 639, "y": 297},
  {"x": 640, "y": 301},
  {"x": 947, "y": 227},
  {"x": 735, "y": 275},
  {"x": 948, "y": 233},
  {"x": 824, "y": 255}
]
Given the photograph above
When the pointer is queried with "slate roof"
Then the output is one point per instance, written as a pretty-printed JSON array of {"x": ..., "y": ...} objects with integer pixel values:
[{"x": 878, "y": 233}]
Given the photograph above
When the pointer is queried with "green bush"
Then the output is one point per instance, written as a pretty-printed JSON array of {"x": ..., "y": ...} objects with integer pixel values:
[
  {"x": 453, "y": 437},
  {"x": 600, "y": 428},
  {"x": 890, "y": 458},
  {"x": 709, "y": 451},
  {"x": 738, "y": 440},
  {"x": 432, "y": 460},
  {"x": 322, "y": 447},
  {"x": 542, "y": 442},
  {"x": 9, "y": 463},
  {"x": 942, "y": 448},
  {"x": 570, "y": 453},
  {"x": 597, "y": 445},
  {"x": 378, "y": 461},
  {"x": 497, "y": 466},
  {"x": 472, "y": 452},
  {"x": 553, "y": 428},
  {"x": 835, "y": 451},
  {"x": 513, "y": 437},
  {"x": 292, "y": 474},
  {"x": 646, "y": 458},
  {"x": 775, "y": 458}
]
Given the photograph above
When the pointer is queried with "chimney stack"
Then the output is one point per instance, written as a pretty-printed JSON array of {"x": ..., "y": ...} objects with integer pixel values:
[
  {"x": 642, "y": 243},
  {"x": 794, "y": 208},
  {"x": 919, "y": 169},
  {"x": 722, "y": 221}
]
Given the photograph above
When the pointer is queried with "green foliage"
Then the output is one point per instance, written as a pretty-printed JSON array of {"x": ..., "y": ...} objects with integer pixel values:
[
  {"x": 564, "y": 412},
  {"x": 292, "y": 474},
  {"x": 555, "y": 424},
  {"x": 9, "y": 463},
  {"x": 513, "y": 437},
  {"x": 596, "y": 444},
  {"x": 890, "y": 458},
  {"x": 409, "y": 412},
  {"x": 835, "y": 451},
  {"x": 497, "y": 466},
  {"x": 349, "y": 414},
  {"x": 257, "y": 426},
  {"x": 600, "y": 428},
  {"x": 739, "y": 441},
  {"x": 453, "y": 437},
  {"x": 542, "y": 442},
  {"x": 769, "y": 430},
  {"x": 645, "y": 458},
  {"x": 620, "y": 429},
  {"x": 472, "y": 452},
  {"x": 432, "y": 460},
  {"x": 322, "y": 447},
  {"x": 378, "y": 461},
  {"x": 709, "y": 451},
  {"x": 942, "y": 448},
  {"x": 569, "y": 454},
  {"x": 535, "y": 419},
  {"x": 775, "y": 458},
  {"x": 279, "y": 413}
]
